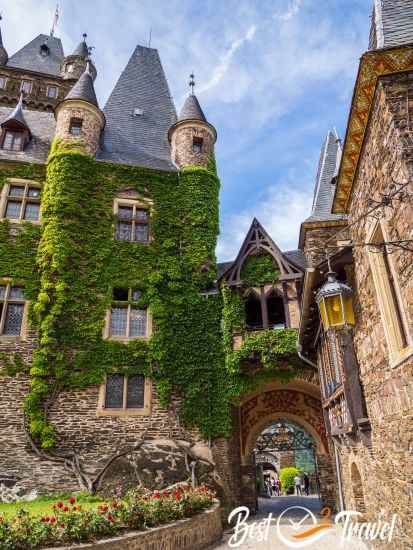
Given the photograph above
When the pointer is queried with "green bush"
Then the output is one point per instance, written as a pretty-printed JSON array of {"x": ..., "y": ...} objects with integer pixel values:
[{"x": 287, "y": 476}]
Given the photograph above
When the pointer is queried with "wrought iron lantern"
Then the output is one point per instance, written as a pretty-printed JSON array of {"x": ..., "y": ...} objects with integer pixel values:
[{"x": 335, "y": 303}]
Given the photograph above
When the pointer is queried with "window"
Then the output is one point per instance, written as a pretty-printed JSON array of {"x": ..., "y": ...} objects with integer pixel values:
[
  {"x": 69, "y": 67},
  {"x": 253, "y": 313},
  {"x": 128, "y": 319},
  {"x": 276, "y": 312},
  {"x": 197, "y": 143},
  {"x": 132, "y": 223},
  {"x": 52, "y": 92},
  {"x": 388, "y": 298},
  {"x": 265, "y": 311},
  {"x": 22, "y": 202},
  {"x": 75, "y": 127},
  {"x": 13, "y": 140},
  {"x": 11, "y": 310},
  {"x": 2, "y": 82},
  {"x": 26, "y": 86},
  {"x": 122, "y": 395},
  {"x": 123, "y": 392}
]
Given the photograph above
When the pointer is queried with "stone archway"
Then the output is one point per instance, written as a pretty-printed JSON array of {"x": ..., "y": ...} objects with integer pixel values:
[{"x": 262, "y": 409}]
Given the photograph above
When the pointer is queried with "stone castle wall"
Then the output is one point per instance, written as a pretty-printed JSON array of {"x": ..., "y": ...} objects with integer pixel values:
[
  {"x": 181, "y": 145},
  {"x": 385, "y": 463},
  {"x": 92, "y": 124}
]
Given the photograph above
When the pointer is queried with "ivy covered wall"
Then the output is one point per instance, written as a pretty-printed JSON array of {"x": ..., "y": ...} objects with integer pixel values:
[{"x": 70, "y": 264}]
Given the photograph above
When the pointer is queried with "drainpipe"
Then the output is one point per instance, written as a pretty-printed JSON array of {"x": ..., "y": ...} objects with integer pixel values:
[
  {"x": 305, "y": 359},
  {"x": 339, "y": 478}
]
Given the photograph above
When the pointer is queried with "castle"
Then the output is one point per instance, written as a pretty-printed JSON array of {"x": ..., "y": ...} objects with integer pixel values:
[{"x": 117, "y": 324}]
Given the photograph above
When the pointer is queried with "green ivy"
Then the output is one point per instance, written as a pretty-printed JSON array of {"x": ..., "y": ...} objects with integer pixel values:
[
  {"x": 70, "y": 264},
  {"x": 258, "y": 271}
]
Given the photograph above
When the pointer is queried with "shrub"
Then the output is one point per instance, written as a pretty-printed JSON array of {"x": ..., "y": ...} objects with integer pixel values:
[
  {"x": 287, "y": 476},
  {"x": 68, "y": 522}
]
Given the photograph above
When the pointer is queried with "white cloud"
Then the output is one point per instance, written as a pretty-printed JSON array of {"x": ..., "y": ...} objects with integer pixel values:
[
  {"x": 281, "y": 209},
  {"x": 225, "y": 60},
  {"x": 293, "y": 9}
]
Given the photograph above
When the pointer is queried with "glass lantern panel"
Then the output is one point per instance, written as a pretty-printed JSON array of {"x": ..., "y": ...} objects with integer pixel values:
[
  {"x": 334, "y": 310},
  {"x": 323, "y": 313},
  {"x": 348, "y": 309}
]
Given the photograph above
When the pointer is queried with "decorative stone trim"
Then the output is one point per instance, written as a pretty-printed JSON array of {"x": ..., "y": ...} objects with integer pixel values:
[
  {"x": 195, "y": 533},
  {"x": 144, "y": 411}
]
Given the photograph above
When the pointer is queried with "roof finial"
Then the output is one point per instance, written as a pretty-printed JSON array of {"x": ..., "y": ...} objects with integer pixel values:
[
  {"x": 55, "y": 20},
  {"x": 192, "y": 82}
]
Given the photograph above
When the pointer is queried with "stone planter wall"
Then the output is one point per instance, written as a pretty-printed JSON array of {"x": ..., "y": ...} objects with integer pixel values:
[{"x": 194, "y": 533}]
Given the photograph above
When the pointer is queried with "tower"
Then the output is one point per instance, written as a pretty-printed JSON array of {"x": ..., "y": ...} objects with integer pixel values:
[
  {"x": 75, "y": 64},
  {"x": 4, "y": 57},
  {"x": 78, "y": 118},
  {"x": 192, "y": 137}
]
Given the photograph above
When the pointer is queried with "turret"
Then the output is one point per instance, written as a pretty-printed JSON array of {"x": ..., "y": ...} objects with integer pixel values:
[
  {"x": 78, "y": 117},
  {"x": 192, "y": 137},
  {"x": 4, "y": 56},
  {"x": 75, "y": 64}
]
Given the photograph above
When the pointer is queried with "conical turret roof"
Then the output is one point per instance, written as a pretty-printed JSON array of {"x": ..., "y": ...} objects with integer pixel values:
[
  {"x": 4, "y": 56},
  {"x": 17, "y": 116},
  {"x": 84, "y": 88},
  {"x": 82, "y": 49},
  {"x": 191, "y": 110}
]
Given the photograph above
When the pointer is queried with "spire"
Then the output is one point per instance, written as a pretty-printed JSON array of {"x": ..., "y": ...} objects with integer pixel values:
[
  {"x": 191, "y": 110},
  {"x": 17, "y": 116},
  {"x": 84, "y": 88},
  {"x": 82, "y": 49},
  {"x": 3, "y": 53}
]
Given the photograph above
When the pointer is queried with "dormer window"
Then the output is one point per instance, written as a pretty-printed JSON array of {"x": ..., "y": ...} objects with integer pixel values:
[
  {"x": 13, "y": 140},
  {"x": 52, "y": 92},
  {"x": 69, "y": 67},
  {"x": 197, "y": 143},
  {"x": 26, "y": 86},
  {"x": 44, "y": 50},
  {"x": 75, "y": 127}
]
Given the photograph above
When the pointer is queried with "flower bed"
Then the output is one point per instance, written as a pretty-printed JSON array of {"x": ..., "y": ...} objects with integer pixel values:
[{"x": 70, "y": 523}]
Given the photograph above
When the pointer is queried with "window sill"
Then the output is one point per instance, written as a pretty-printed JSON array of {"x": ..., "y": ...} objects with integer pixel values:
[
  {"x": 18, "y": 222},
  {"x": 398, "y": 358},
  {"x": 125, "y": 340},
  {"x": 6, "y": 338},
  {"x": 145, "y": 411}
]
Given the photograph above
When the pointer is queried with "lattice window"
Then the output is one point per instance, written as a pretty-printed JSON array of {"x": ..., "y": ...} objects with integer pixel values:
[
  {"x": 13, "y": 140},
  {"x": 52, "y": 92},
  {"x": 12, "y": 303},
  {"x": 22, "y": 202},
  {"x": 122, "y": 392},
  {"x": 132, "y": 222},
  {"x": 128, "y": 319}
]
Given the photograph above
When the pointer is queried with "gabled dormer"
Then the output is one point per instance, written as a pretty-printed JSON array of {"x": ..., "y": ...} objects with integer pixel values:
[{"x": 15, "y": 133}]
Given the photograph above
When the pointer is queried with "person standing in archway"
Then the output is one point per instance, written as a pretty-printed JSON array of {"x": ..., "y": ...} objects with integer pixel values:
[
  {"x": 297, "y": 483},
  {"x": 306, "y": 484}
]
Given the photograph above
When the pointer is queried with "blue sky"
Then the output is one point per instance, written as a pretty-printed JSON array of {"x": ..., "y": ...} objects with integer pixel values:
[{"x": 272, "y": 75}]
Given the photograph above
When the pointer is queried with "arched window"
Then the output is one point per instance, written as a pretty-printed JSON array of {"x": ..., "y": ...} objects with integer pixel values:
[
  {"x": 276, "y": 311},
  {"x": 253, "y": 312},
  {"x": 357, "y": 485}
]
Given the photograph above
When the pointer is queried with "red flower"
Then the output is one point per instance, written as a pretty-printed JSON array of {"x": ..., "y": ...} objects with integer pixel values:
[
  {"x": 53, "y": 520},
  {"x": 157, "y": 495},
  {"x": 65, "y": 508},
  {"x": 72, "y": 500},
  {"x": 62, "y": 525},
  {"x": 165, "y": 494},
  {"x": 60, "y": 504},
  {"x": 110, "y": 517},
  {"x": 114, "y": 505}
]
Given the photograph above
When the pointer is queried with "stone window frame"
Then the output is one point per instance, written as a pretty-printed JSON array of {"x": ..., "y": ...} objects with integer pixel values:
[
  {"x": 4, "y": 198},
  {"x": 197, "y": 144},
  {"x": 149, "y": 323},
  {"x": 76, "y": 122},
  {"x": 135, "y": 203},
  {"x": 23, "y": 83},
  {"x": 392, "y": 313},
  {"x": 8, "y": 283},
  {"x": 144, "y": 411},
  {"x": 50, "y": 86}
]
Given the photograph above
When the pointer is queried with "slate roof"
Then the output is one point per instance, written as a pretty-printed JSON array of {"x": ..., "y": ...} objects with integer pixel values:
[
  {"x": 82, "y": 50},
  {"x": 84, "y": 88},
  {"x": 17, "y": 115},
  {"x": 139, "y": 140},
  {"x": 191, "y": 110},
  {"x": 30, "y": 58},
  {"x": 297, "y": 257},
  {"x": 42, "y": 128},
  {"x": 324, "y": 190},
  {"x": 392, "y": 23}
]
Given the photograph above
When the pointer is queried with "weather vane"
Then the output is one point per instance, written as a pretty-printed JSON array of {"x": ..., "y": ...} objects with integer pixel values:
[
  {"x": 55, "y": 20},
  {"x": 192, "y": 82}
]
